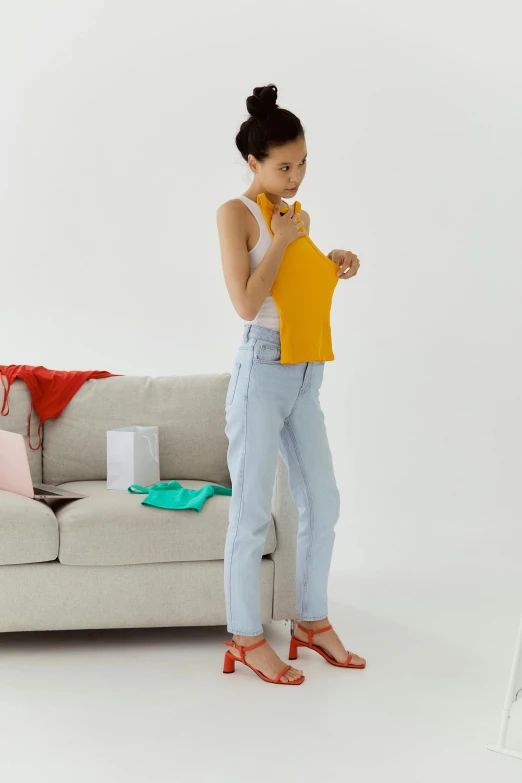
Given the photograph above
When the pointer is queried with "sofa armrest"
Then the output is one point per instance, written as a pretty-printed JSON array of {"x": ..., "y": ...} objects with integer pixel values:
[{"x": 285, "y": 513}]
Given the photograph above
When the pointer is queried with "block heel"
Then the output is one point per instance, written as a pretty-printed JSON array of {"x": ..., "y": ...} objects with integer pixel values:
[
  {"x": 296, "y": 643},
  {"x": 229, "y": 664}
]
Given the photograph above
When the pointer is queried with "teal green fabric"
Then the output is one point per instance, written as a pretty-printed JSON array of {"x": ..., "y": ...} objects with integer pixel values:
[{"x": 173, "y": 495}]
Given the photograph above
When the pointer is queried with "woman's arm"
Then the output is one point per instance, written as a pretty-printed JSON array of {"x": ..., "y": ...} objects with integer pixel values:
[{"x": 247, "y": 291}]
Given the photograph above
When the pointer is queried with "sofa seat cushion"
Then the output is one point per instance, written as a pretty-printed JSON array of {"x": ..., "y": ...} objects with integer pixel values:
[
  {"x": 112, "y": 527},
  {"x": 28, "y": 530}
]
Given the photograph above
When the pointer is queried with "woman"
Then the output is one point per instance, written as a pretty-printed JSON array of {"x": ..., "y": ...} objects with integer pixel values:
[{"x": 272, "y": 400}]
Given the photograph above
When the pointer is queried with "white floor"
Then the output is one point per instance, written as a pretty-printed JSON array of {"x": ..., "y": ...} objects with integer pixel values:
[{"x": 153, "y": 705}]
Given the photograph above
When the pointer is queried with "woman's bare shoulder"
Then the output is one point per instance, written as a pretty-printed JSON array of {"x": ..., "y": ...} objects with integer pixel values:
[
  {"x": 230, "y": 205},
  {"x": 233, "y": 210},
  {"x": 231, "y": 219}
]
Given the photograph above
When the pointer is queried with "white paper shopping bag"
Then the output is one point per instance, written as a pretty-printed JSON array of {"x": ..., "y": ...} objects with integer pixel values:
[{"x": 132, "y": 457}]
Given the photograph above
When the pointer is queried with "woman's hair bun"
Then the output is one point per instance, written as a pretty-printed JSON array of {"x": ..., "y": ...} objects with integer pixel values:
[
  {"x": 263, "y": 102},
  {"x": 267, "y": 126}
]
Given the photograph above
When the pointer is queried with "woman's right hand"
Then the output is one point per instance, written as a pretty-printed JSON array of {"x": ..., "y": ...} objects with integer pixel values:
[{"x": 288, "y": 226}]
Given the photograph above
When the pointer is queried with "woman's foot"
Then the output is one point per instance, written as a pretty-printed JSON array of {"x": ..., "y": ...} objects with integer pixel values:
[
  {"x": 328, "y": 640},
  {"x": 264, "y": 658}
]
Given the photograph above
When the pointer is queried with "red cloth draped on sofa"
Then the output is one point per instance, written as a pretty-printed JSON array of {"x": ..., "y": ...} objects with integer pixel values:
[{"x": 51, "y": 390}]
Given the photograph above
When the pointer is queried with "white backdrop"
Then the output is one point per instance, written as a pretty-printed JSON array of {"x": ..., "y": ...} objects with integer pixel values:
[{"x": 117, "y": 146}]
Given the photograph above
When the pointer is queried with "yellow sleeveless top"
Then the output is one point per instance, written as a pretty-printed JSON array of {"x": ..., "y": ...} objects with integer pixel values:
[{"x": 303, "y": 291}]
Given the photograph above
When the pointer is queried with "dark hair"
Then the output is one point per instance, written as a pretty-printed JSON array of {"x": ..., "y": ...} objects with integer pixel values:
[{"x": 268, "y": 125}]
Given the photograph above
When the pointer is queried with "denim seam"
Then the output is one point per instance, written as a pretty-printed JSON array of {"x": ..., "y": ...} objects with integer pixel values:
[
  {"x": 301, "y": 391},
  {"x": 275, "y": 497},
  {"x": 312, "y": 513},
  {"x": 237, "y": 369},
  {"x": 242, "y": 473},
  {"x": 305, "y": 388}
]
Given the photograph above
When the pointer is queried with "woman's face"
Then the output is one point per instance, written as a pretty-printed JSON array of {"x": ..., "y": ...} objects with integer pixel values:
[{"x": 283, "y": 170}]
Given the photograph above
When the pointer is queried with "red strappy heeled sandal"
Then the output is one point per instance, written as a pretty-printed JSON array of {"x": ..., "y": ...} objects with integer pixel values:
[
  {"x": 295, "y": 643},
  {"x": 229, "y": 664}
]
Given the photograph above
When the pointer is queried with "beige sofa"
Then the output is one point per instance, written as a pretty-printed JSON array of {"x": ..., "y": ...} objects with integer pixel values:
[{"x": 107, "y": 561}]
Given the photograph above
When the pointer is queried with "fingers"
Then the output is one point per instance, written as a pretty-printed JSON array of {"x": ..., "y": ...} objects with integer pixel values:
[{"x": 351, "y": 271}]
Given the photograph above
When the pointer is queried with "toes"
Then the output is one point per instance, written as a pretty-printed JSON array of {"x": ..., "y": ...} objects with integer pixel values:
[{"x": 291, "y": 675}]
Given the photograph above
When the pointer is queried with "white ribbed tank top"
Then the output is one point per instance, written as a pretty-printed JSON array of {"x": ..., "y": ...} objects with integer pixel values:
[{"x": 268, "y": 314}]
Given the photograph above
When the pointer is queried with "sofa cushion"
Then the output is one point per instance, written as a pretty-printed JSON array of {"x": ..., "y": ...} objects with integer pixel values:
[
  {"x": 19, "y": 406},
  {"x": 113, "y": 527},
  {"x": 28, "y": 530},
  {"x": 189, "y": 411}
]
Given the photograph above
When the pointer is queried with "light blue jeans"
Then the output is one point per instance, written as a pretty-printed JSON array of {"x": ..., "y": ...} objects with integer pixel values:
[{"x": 272, "y": 407}]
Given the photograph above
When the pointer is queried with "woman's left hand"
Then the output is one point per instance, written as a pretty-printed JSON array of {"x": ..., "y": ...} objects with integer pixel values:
[{"x": 348, "y": 263}]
